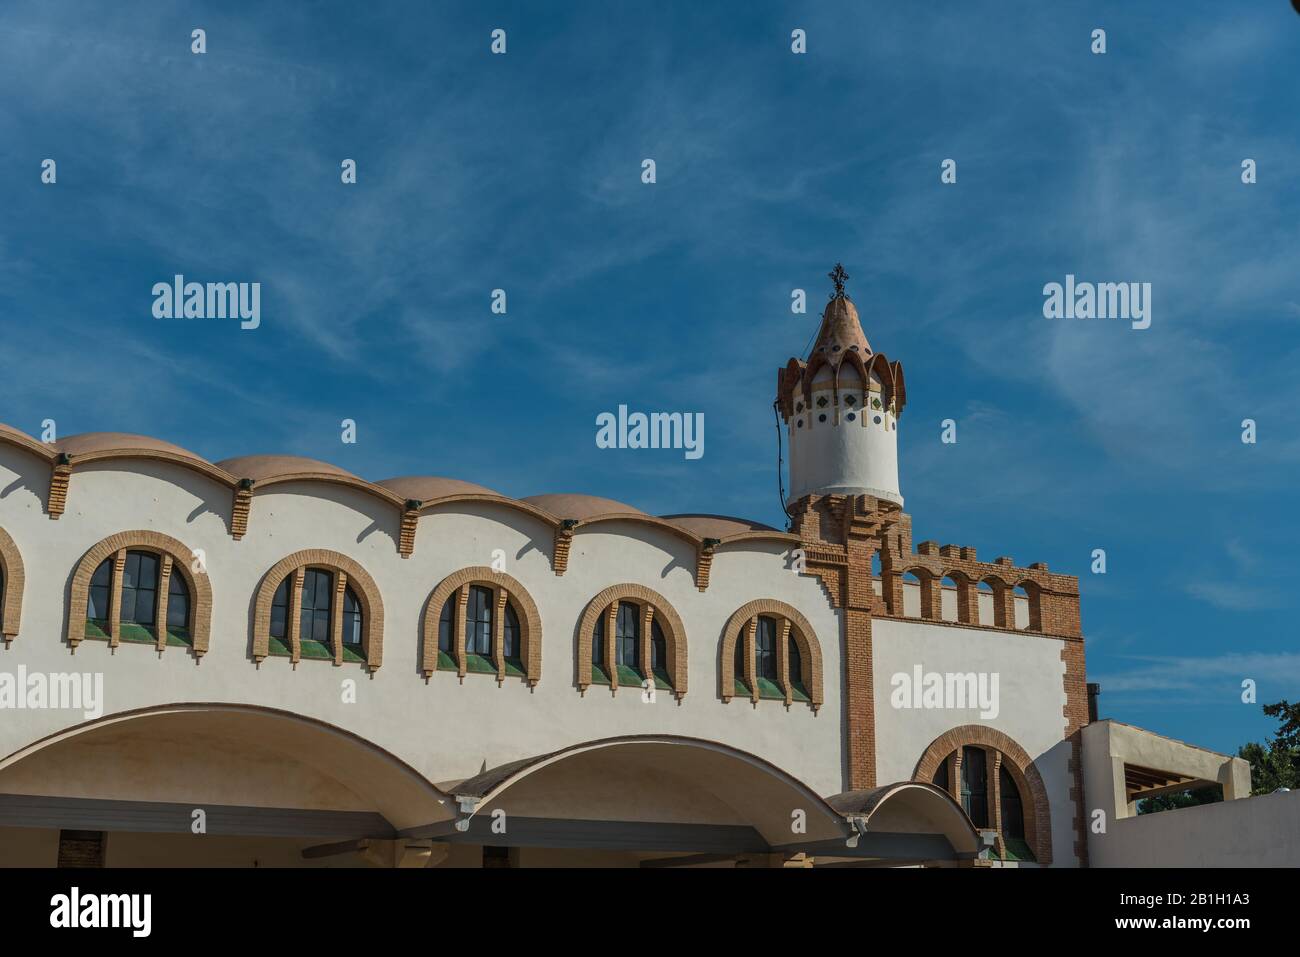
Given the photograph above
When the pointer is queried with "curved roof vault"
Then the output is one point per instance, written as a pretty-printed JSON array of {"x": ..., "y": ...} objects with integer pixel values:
[{"x": 249, "y": 474}]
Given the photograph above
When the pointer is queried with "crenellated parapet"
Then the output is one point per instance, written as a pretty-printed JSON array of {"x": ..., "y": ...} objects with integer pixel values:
[{"x": 862, "y": 549}]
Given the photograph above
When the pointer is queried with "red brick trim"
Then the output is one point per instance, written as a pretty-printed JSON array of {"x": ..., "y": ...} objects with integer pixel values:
[
  {"x": 644, "y": 598},
  {"x": 805, "y": 638},
  {"x": 57, "y": 500},
  {"x": 504, "y": 588},
  {"x": 1076, "y": 716},
  {"x": 1037, "y": 811},
  {"x": 166, "y": 548},
  {"x": 364, "y": 587},
  {"x": 11, "y": 602}
]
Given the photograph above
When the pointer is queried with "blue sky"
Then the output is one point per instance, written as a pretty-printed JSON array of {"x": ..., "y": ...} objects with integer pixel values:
[{"x": 522, "y": 172}]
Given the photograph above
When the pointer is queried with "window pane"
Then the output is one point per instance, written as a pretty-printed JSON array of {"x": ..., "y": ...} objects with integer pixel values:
[
  {"x": 478, "y": 624},
  {"x": 317, "y": 601},
  {"x": 445, "y": 625},
  {"x": 796, "y": 663},
  {"x": 351, "y": 619},
  {"x": 765, "y": 648},
  {"x": 1013, "y": 815},
  {"x": 740, "y": 652},
  {"x": 658, "y": 646},
  {"x": 628, "y": 636},
  {"x": 511, "y": 636},
  {"x": 139, "y": 587},
  {"x": 974, "y": 785},
  {"x": 100, "y": 584},
  {"x": 598, "y": 641},
  {"x": 178, "y": 601},
  {"x": 280, "y": 610}
]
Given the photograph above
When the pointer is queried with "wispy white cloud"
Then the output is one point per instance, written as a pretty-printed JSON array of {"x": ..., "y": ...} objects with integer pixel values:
[{"x": 1201, "y": 676}]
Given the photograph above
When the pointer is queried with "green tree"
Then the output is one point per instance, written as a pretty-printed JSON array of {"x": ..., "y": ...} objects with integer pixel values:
[
  {"x": 1176, "y": 799},
  {"x": 1276, "y": 763}
]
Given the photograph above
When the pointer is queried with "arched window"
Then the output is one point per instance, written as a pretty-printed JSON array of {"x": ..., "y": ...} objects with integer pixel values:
[
  {"x": 989, "y": 784},
  {"x": 772, "y": 643},
  {"x": 320, "y": 606},
  {"x": 318, "y": 632},
  {"x": 139, "y": 587},
  {"x": 139, "y": 604},
  {"x": 629, "y": 635},
  {"x": 486, "y": 624}
]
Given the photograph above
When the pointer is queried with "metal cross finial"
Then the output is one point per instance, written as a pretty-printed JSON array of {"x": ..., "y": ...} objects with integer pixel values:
[{"x": 838, "y": 276}]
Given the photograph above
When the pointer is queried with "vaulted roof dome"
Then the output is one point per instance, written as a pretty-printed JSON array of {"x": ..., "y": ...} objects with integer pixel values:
[
  {"x": 88, "y": 442},
  {"x": 580, "y": 506},
  {"x": 716, "y": 526},
  {"x": 426, "y": 488},
  {"x": 262, "y": 467}
]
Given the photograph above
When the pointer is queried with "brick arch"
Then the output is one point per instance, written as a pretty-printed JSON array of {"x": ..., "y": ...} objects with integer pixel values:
[
  {"x": 1003, "y": 603},
  {"x": 1033, "y": 794},
  {"x": 176, "y": 558},
  {"x": 15, "y": 579},
  {"x": 364, "y": 587},
  {"x": 931, "y": 590},
  {"x": 806, "y": 639},
  {"x": 967, "y": 597},
  {"x": 645, "y": 599},
  {"x": 1034, "y": 593},
  {"x": 506, "y": 588}
]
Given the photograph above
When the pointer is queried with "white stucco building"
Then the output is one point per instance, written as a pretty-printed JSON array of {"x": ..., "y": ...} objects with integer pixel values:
[{"x": 298, "y": 666}]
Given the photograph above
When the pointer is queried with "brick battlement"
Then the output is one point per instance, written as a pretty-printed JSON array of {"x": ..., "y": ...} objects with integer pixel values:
[{"x": 841, "y": 531}]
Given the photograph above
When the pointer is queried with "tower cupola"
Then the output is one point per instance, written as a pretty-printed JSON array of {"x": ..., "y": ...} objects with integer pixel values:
[{"x": 841, "y": 407}]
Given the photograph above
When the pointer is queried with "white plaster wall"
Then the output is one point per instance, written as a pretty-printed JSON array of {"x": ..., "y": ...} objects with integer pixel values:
[
  {"x": 848, "y": 458},
  {"x": 1030, "y": 702},
  {"x": 1259, "y": 831},
  {"x": 445, "y": 729}
]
